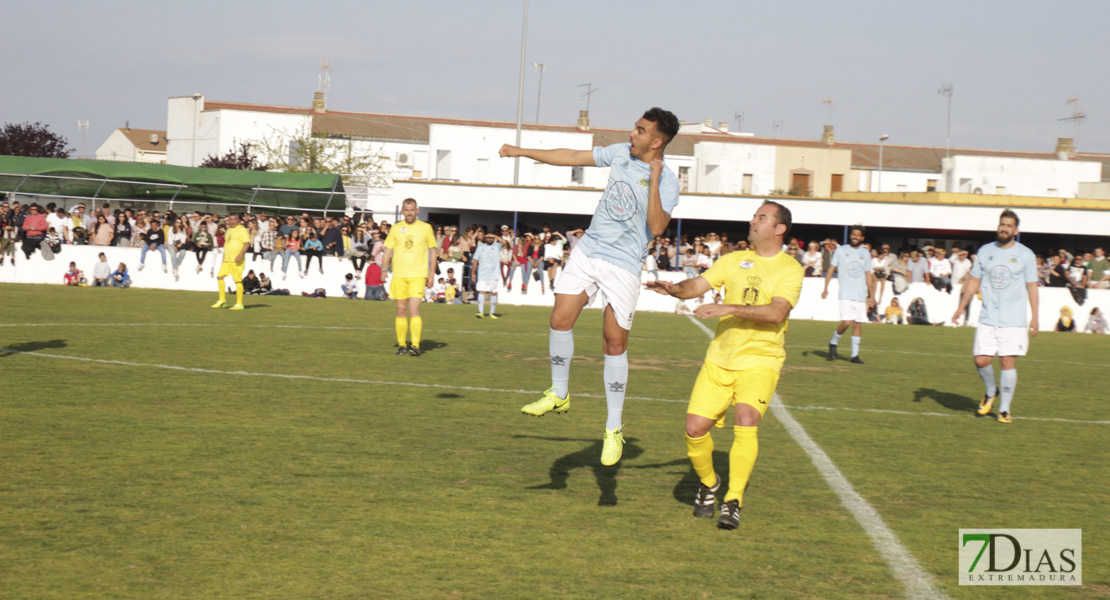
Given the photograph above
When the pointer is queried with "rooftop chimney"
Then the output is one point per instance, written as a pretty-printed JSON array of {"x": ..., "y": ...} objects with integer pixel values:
[
  {"x": 708, "y": 122},
  {"x": 1065, "y": 148},
  {"x": 584, "y": 120},
  {"x": 154, "y": 139},
  {"x": 318, "y": 104},
  {"x": 827, "y": 137},
  {"x": 723, "y": 126},
  {"x": 127, "y": 125}
]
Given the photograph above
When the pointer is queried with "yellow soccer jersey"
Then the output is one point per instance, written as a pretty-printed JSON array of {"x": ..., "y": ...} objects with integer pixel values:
[
  {"x": 410, "y": 244},
  {"x": 750, "y": 279},
  {"x": 234, "y": 240}
]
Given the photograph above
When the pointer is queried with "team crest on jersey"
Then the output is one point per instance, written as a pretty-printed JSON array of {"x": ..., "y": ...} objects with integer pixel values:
[
  {"x": 747, "y": 264},
  {"x": 619, "y": 201},
  {"x": 751, "y": 293},
  {"x": 1013, "y": 259},
  {"x": 1000, "y": 276},
  {"x": 404, "y": 229},
  {"x": 644, "y": 182}
]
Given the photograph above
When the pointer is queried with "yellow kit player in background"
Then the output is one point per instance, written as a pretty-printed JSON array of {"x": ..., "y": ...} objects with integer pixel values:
[
  {"x": 236, "y": 242},
  {"x": 408, "y": 249},
  {"x": 742, "y": 365}
]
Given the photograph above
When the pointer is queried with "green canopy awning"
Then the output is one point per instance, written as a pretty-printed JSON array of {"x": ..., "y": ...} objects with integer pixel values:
[{"x": 112, "y": 180}]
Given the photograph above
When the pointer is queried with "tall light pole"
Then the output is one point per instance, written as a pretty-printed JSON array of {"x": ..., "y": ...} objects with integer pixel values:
[
  {"x": 946, "y": 91},
  {"x": 539, "y": 93},
  {"x": 520, "y": 95},
  {"x": 882, "y": 138}
]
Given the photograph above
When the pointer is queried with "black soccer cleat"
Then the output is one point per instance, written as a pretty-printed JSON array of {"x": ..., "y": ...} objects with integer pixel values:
[
  {"x": 706, "y": 502},
  {"x": 730, "y": 515},
  {"x": 832, "y": 351},
  {"x": 857, "y": 360},
  {"x": 402, "y": 350},
  {"x": 414, "y": 350}
]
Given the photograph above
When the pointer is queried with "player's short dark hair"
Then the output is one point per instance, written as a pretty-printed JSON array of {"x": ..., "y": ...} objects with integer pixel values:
[
  {"x": 860, "y": 228},
  {"x": 1011, "y": 215},
  {"x": 665, "y": 123},
  {"x": 782, "y": 215},
  {"x": 408, "y": 200}
]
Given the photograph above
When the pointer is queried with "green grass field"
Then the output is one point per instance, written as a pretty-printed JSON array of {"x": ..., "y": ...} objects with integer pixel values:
[{"x": 154, "y": 448}]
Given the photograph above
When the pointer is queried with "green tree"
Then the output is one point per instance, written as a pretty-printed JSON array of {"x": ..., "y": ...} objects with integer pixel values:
[
  {"x": 242, "y": 158},
  {"x": 305, "y": 151},
  {"x": 32, "y": 139}
]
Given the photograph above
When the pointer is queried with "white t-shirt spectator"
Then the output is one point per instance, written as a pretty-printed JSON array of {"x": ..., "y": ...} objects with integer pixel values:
[
  {"x": 940, "y": 267},
  {"x": 60, "y": 224},
  {"x": 959, "y": 269}
]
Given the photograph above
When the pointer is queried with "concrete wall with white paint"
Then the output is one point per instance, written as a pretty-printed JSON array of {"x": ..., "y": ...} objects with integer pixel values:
[
  {"x": 895, "y": 181},
  {"x": 721, "y": 168},
  {"x": 940, "y": 305}
]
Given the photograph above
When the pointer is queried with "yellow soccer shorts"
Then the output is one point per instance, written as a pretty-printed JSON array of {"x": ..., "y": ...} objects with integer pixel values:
[
  {"x": 716, "y": 388},
  {"x": 233, "y": 269},
  {"x": 401, "y": 288}
]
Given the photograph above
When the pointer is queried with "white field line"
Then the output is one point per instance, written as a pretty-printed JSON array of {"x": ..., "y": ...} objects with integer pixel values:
[
  {"x": 469, "y": 332},
  {"x": 916, "y": 582}
]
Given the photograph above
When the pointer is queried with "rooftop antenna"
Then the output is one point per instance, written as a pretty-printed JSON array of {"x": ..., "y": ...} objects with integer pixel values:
[
  {"x": 323, "y": 80},
  {"x": 946, "y": 90},
  {"x": 590, "y": 90},
  {"x": 738, "y": 115},
  {"x": 539, "y": 93},
  {"x": 776, "y": 126},
  {"x": 829, "y": 101},
  {"x": 83, "y": 127},
  {"x": 1076, "y": 117}
]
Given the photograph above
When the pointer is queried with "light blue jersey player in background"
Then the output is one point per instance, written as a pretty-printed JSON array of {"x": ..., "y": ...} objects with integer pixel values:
[
  {"x": 857, "y": 289},
  {"x": 1006, "y": 272},
  {"x": 486, "y": 265},
  {"x": 637, "y": 205}
]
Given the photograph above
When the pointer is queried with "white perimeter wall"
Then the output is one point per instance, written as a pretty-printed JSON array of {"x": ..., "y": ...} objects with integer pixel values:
[
  {"x": 896, "y": 181},
  {"x": 433, "y": 195},
  {"x": 939, "y": 305},
  {"x": 1020, "y": 176}
]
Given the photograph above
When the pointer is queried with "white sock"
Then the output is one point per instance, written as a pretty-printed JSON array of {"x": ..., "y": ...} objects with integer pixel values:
[
  {"x": 835, "y": 338},
  {"x": 560, "y": 346},
  {"x": 987, "y": 375},
  {"x": 481, "y": 301},
  {"x": 855, "y": 345},
  {"x": 616, "y": 380},
  {"x": 492, "y": 303},
  {"x": 1007, "y": 380}
]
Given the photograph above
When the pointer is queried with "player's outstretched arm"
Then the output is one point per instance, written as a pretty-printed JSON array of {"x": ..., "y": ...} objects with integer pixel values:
[
  {"x": 688, "y": 288},
  {"x": 775, "y": 312},
  {"x": 828, "y": 277},
  {"x": 560, "y": 157},
  {"x": 971, "y": 287}
]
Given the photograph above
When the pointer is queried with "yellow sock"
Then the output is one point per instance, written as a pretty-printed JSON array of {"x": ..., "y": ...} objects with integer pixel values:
[
  {"x": 700, "y": 451},
  {"x": 239, "y": 292},
  {"x": 741, "y": 461},
  {"x": 417, "y": 325},
  {"x": 223, "y": 292},
  {"x": 402, "y": 326}
]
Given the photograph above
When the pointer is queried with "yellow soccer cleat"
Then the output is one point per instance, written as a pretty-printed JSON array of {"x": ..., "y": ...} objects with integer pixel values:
[
  {"x": 220, "y": 304},
  {"x": 1004, "y": 417},
  {"x": 238, "y": 307},
  {"x": 551, "y": 402},
  {"x": 611, "y": 447},
  {"x": 986, "y": 404}
]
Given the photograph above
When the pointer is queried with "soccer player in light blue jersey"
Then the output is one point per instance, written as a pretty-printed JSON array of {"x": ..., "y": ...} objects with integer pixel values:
[
  {"x": 1010, "y": 272},
  {"x": 856, "y": 283},
  {"x": 486, "y": 263},
  {"x": 636, "y": 206}
]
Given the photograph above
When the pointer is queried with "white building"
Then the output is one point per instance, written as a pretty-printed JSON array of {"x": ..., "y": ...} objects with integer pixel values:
[
  {"x": 134, "y": 145},
  {"x": 1056, "y": 178}
]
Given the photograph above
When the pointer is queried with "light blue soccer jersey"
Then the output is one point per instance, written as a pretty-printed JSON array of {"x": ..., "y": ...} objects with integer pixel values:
[
  {"x": 619, "y": 232},
  {"x": 852, "y": 266},
  {"x": 489, "y": 261},
  {"x": 1003, "y": 273}
]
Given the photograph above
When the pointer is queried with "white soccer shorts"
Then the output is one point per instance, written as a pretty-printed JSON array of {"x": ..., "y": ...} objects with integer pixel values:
[
  {"x": 487, "y": 287},
  {"x": 853, "y": 310},
  {"x": 619, "y": 288},
  {"x": 1000, "y": 341}
]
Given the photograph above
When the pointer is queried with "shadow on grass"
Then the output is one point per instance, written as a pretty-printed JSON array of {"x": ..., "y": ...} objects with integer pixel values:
[
  {"x": 254, "y": 306},
  {"x": 448, "y": 395},
  {"x": 590, "y": 457},
  {"x": 947, "y": 400},
  {"x": 430, "y": 345},
  {"x": 9, "y": 350},
  {"x": 818, "y": 353},
  {"x": 687, "y": 487}
]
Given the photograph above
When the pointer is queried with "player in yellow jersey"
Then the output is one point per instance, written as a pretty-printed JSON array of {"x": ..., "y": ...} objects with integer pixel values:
[
  {"x": 236, "y": 242},
  {"x": 408, "y": 249},
  {"x": 742, "y": 365}
]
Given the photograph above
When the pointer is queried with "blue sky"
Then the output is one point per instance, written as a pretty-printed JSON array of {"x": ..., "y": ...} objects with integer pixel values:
[{"x": 1013, "y": 65}]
